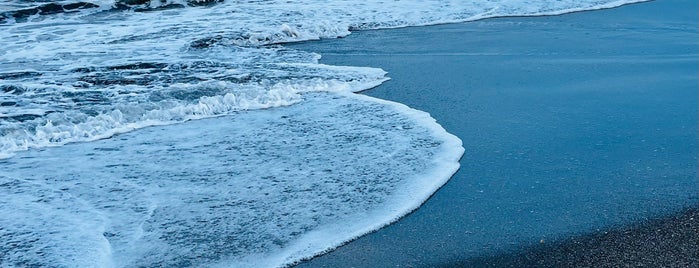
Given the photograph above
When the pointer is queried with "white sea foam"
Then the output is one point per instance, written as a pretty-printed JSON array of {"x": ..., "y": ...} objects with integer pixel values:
[
  {"x": 113, "y": 58},
  {"x": 133, "y": 107},
  {"x": 260, "y": 185},
  {"x": 262, "y": 188}
]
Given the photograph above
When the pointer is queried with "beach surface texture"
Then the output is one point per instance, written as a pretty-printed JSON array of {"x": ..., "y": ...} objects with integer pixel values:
[
  {"x": 179, "y": 133},
  {"x": 580, "y": 137}
]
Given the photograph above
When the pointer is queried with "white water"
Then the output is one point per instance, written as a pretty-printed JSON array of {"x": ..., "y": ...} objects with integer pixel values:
[
  {"x": 262, "y": 188},
  {"x": 105, "y": 67},
  {"x": 255, "y": 186}
]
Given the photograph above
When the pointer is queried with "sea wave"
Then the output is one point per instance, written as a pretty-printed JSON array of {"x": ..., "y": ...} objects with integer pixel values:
[
  {"x": 89, "y": 60},
  {"x": 258, "y": 185}
]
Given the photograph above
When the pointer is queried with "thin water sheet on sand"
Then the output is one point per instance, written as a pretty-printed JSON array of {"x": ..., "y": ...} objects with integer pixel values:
[
  {"x": 572, "y": 124},
  {"x": 258, "y": 189}
]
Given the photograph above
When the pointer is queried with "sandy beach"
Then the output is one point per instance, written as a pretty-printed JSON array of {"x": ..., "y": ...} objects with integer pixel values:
[
  {"x": 212, "y": 133},
  {"x": 578, "y": 129}
]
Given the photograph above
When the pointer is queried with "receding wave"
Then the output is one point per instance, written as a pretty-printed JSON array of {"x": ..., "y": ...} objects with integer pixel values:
[
  {"x": 148, "y": 98},
  {"x": 102, "y": 63},
  {"x": 286, "y": 162},
  {"x": 263, "y": 188}
]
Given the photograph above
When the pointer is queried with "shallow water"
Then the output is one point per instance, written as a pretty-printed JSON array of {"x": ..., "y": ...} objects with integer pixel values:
[
  {"x": 261, "y": 188},
  {"x": 109, "y": 158},
  {"x": 572, "y": 125}
]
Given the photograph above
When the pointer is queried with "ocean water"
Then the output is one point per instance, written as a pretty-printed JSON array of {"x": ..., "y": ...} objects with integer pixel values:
[{"x": 183, "y": 133}]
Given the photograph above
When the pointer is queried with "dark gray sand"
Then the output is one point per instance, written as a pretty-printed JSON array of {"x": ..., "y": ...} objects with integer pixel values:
[
  {"x": 573, "y": 126},
  {"x": 668, "y": 242}
]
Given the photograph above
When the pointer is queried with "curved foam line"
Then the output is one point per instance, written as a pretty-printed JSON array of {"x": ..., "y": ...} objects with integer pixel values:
[
  {"x": 407, "y": 200},
  {"x": 446, "y": 163}
]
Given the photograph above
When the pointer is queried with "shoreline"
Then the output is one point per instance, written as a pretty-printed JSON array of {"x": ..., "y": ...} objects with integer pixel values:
[{"x": 595, "y": 71}]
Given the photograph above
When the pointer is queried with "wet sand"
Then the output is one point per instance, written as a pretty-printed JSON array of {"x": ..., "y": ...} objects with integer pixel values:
[
  {"x": 671, "y": 241},
  {"x": 579, "y": 130}
]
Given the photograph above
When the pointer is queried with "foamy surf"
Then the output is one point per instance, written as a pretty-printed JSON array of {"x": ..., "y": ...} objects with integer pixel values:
[
  {"x": 88, "y": 63},
  {"x": 263, "y": 188},
  {"x": 278, "y": 160}
]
